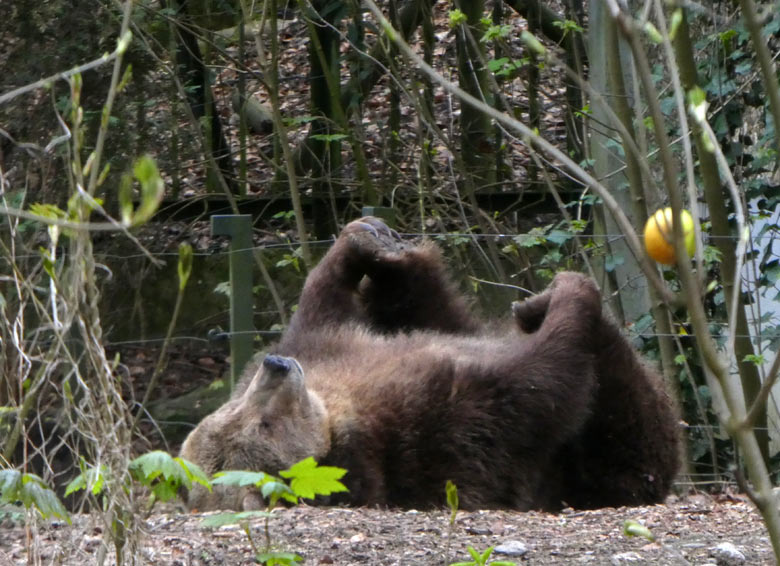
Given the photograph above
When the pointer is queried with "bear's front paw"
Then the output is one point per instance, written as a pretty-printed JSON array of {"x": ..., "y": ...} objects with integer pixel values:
[{"x": 372, "y": 238}]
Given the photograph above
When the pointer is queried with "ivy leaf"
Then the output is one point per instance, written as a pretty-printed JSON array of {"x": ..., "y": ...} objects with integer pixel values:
[
  {"x": 559, "y": 237},
  {"x": 310, "y": 480}
]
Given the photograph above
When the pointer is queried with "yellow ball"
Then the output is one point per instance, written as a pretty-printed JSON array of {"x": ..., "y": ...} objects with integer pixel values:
[{"x": 659, "y": 235}]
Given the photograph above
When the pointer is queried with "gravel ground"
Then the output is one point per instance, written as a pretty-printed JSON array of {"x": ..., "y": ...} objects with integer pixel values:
[{"x": 723, "y": 530}]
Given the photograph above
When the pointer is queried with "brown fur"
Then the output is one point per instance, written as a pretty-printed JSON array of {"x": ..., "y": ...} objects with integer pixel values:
[{"x": 397, "y": 382}]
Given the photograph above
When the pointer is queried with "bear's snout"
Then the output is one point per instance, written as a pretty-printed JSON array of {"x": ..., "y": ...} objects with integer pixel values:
[{"x": 277, "y": 364}]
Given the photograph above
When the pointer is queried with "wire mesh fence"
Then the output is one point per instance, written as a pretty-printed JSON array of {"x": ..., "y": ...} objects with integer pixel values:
[{"x": 133, "y": 299}]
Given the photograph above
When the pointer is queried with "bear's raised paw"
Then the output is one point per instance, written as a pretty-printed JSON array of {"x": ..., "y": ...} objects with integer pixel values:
[{"x": 372, "y": 238}]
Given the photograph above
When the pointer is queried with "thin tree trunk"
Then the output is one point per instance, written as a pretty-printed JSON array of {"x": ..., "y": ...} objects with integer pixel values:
[
  {"x": 475, "y": 127},
  {"x": 723, "y": 240},
  {"x": 195, "y": 76}
]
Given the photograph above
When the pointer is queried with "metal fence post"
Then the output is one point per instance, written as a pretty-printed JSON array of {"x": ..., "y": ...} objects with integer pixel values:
[{"x": 238, "y": 227}]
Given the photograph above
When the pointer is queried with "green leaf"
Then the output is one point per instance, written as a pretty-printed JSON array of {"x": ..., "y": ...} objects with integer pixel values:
[
  {"x": 497, "y": 64},
  {"x": 165, "y": 490},
  {"x": 239, "y": 478},
  {"x": 50, "y": 211},
  {"x": 496, "y": 32},
  {"x": 10, "y": 484},
  {"x": 126, "y": 78},
  {"x": 274, "y": 490},
  {"x": 559, "y": 237},
  {"x": 328, "y": 137},
  {"x": 103, "y": 174},
  {"x": 612, "y": 262},
  {"x": 310, "y": 480},
  {"x": 568, "y": 25},
  {"x": 164, "y": 474},
  {"x": 677, "y": 18},
  {"x": 43, "y": 497},
  {"x": 124, "y": 42},
  {"x": 194, "y": 473},
  {"x": 126, "y": 199},
  {"x": 299, "y": 120},
  {"x": 452, "y": 499},
  {"x": 284, "y": 214},
  {"x": 457, "y": 18},
  {"x": 48, "y": 263},
  {"x": 755, "y": 359},
  {"x": 222, "y": 519},
  {"x": 149, "y": 466},
  {"x": 632, "y": 528},
  {"x": 653, "y": 33},
  {"x": 91, "y": 478},
  {"x": 152, "y": 188},
  {"x": 185, "y": 264},
  {"x": 223, "y": 288},
  {"x": 697, "y": 104},
  {"x": 31, "y": 491},
  {"x": 278, "y": 558},
  {"x": 532, "y": 42},
  {"x": 535, "y": 237}
]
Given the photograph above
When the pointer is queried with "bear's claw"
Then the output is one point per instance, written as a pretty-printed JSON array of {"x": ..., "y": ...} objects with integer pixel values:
[
  {"x": 367, "y": 226},
  {"x": 372, "y": 236}
]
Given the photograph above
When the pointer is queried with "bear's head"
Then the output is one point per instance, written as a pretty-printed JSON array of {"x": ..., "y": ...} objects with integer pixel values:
[{"x": 273, "y": 424}]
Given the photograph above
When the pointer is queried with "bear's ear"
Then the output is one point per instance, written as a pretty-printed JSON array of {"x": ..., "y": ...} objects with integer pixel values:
[{"x": 279, "y": 379}]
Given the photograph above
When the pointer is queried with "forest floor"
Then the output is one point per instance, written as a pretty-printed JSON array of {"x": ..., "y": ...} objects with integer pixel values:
[{"x": 697, "y": 530}]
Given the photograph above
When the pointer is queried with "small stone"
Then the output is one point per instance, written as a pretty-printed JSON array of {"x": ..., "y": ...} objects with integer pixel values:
[
  {"x": 358, "y": 538},
  {"x": 512, "y": 548},
  {"x": 626, "y": 558},
  {"x": 726, "y": 554}
]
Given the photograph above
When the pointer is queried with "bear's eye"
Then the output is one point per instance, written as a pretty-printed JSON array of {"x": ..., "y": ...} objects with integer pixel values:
[{"x": 265, "y": 424}]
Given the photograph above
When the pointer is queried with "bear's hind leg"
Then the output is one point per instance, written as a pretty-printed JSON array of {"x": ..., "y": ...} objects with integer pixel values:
[
  {"x": 554, "y": 365},
  {"x": 630, "y": 449}
]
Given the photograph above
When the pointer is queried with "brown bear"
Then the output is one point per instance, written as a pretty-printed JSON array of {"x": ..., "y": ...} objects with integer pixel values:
[{"x": 385, "y": 372}]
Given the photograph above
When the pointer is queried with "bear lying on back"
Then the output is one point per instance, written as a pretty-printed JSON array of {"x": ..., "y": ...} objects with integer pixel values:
[{"x": 385, "y": 372}]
